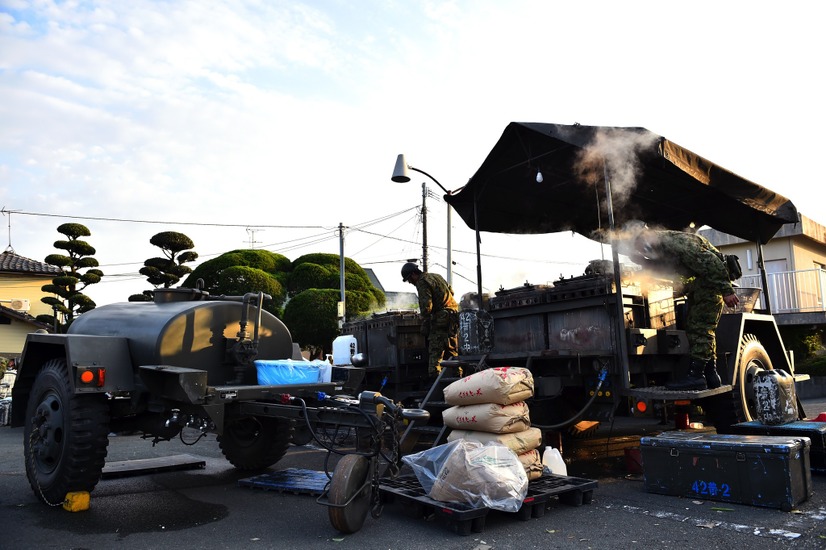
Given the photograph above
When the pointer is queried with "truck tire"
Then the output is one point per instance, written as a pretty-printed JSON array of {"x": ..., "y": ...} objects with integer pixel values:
[
  {"x": 253, "y": 443},
  {"x": 753, "y": 359},
  {"x": 64, "y": 437},
  {"x": 739, "y": 405}
]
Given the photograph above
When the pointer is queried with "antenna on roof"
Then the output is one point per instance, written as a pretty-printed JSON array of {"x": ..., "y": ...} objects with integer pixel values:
[
  {"x": 252, "y": 231},
  {"x": 9, "y": 212}
]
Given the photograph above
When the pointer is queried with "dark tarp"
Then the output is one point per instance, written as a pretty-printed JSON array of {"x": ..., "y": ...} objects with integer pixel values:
[{"x": 651, "y": 179}]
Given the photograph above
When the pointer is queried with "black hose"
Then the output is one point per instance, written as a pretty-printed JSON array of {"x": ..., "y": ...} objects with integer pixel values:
[
  {"x": 330, "y": 449},
  {"x": 603, "y": 374}
]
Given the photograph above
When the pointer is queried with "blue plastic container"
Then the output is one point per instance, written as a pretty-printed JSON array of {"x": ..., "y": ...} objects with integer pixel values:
[{"x": 286, "y": 372}]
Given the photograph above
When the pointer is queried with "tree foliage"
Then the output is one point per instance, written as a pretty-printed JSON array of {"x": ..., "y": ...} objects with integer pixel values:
[
  {"x": 314, "y": 288},
  {"x": 311, "y": 316},
  {"x": 167, "y": 271},
  {"x": 68, "y": 287},
  {"x": 311, "y": 284},
  {"x": 240, "y": 271},
  {"x": 320, "y": 270}
]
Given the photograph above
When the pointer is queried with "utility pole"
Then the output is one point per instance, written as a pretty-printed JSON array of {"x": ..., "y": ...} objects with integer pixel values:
[
  {"x": 424, "y": 227},
  {"x": 341, "y": 303}
]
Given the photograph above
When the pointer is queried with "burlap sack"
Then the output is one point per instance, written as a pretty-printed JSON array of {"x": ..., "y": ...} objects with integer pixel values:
[
  {"x": 518, "y": 442},
  {"x": 488, "y": 417},
  {"x": 502, "y": 385},
  {"x": 532, "y": 463},
  {"x": 482, "y": 475}
]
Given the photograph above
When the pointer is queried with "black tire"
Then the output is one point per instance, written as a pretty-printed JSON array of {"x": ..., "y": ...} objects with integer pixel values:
[
  {"x": 254, "y": 443},
  {"x": 65, "y": 436},
  {"x": 753, "y": 359},
  {"x": 349, "y": 477},
  {"x": 739, "y": 405}
]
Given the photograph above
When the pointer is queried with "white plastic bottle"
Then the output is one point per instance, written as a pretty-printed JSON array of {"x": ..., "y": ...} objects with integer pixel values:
[{"x": 552, "y": 460}]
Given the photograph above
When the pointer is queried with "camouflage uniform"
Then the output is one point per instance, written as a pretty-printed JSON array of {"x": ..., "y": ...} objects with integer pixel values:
[
  {"x": 706, "y": 282},
  {"x": 441, "y": 318}
]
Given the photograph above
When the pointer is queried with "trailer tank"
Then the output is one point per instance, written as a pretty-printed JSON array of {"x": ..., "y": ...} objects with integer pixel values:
[{"x": 191, "y": 334}]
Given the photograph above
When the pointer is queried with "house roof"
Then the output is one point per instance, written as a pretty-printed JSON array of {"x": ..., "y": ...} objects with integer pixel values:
[
  {"x": 23, "y": 317},
  {"x": 14, "y": 263},
  {"x": 806, "y": 227},
  {"x": 374, "y": 279}
]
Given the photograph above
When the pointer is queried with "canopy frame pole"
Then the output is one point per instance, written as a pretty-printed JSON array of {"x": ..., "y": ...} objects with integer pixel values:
[
  {"x": 478, "y": 253},
  {"x": 764, "y": 279},
  {"x": 619, "y": 326}
]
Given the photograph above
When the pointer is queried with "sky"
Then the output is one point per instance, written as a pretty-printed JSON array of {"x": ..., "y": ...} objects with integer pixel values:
[{"x": 269, "y": 124}]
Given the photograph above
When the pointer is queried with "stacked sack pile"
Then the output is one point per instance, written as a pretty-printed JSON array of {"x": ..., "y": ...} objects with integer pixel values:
[{"x": 490, "y": 406}]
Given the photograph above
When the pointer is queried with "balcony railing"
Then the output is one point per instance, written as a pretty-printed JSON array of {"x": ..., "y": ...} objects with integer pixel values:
[{"x": 792, "y": 291}]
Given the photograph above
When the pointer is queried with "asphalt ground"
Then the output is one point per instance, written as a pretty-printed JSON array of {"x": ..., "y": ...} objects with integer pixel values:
[{"x": 207, "y": 508}]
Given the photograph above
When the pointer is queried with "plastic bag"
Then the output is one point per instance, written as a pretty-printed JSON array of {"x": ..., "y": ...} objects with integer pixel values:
[{"x": 481, "y": 475}]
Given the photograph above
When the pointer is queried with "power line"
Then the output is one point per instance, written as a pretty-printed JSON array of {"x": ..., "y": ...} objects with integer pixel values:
[
  {"x": 158, "y": 222},
  {"x": 294, "y": 244}
]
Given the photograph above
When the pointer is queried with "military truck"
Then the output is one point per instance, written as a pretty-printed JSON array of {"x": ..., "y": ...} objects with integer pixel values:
[{"x": 609, "y": 340}]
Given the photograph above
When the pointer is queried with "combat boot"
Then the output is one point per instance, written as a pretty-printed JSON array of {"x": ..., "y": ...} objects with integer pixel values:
[
  {"x": 713, "y": 380},
  {"x": 694, "y": 380}
]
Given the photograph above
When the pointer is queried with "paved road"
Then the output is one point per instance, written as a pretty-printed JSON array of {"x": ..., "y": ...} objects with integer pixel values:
[{"x": 207, "y": 509}]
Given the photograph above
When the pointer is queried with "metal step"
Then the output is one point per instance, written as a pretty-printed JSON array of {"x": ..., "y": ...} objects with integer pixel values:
[{"x": 664, "y": 394}]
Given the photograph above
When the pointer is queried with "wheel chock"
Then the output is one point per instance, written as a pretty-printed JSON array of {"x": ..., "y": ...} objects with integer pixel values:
[{"x": 77, "y": 501}]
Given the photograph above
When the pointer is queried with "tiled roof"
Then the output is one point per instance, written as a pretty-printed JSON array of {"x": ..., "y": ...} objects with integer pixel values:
[
  {"x": 24, "y": 317},
  {"x": 12, "y": 263}
]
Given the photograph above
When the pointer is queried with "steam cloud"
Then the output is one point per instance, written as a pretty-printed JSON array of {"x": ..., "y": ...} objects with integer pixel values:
[{"x": 614, "y": 153}]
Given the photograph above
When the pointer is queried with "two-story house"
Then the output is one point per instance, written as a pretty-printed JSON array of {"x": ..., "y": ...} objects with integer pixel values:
[
  {"x": 20, "y": 282},
  {"x": 795, "y": 267}
]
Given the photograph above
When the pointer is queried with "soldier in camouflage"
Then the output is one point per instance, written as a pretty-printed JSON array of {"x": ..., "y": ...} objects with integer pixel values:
[
  {"x": 707, "y": 287},
  {"x": 440, "y": 313}
]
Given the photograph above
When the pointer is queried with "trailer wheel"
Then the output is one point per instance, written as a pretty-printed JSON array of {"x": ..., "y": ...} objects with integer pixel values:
[
  {"x": 65, "y": 436},
  {"x": 753, "y": 359},
  {"x": 349, "y": 483},
  {"x": 739, "y": 406},
  {"x": 253, "y": 443}
]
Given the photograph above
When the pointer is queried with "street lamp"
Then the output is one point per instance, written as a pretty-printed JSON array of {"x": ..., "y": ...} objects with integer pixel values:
[{"x": 401, "y": 175}]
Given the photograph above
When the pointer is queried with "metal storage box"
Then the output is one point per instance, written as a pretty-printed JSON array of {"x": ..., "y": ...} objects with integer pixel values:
[
  {"x": 575, "y": 315},
  {"x": 770, "y": 471},
  {"x": 390, "y": 340},
  {"x": 815, "y": 431}
]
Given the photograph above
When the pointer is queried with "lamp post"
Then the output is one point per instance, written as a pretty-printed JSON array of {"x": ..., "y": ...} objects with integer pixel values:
[{"x": 401, "y": 174}]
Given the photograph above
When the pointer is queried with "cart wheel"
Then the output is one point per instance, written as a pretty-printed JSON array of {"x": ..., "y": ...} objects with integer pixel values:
[{"x": 349, "y": 476}]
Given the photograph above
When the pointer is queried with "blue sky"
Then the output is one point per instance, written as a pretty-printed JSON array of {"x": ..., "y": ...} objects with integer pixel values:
[{"x": 286, "y": 117}]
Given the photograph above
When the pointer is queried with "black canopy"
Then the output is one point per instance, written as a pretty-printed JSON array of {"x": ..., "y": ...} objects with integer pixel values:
[{"x": 651, "y": 179}]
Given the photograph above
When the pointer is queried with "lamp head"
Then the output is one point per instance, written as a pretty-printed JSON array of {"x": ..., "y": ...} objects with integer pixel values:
[{"x": 400, "y": 174}]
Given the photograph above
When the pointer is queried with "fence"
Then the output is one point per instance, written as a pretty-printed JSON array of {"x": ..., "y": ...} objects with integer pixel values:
[{"x": 792, "y": 291}]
